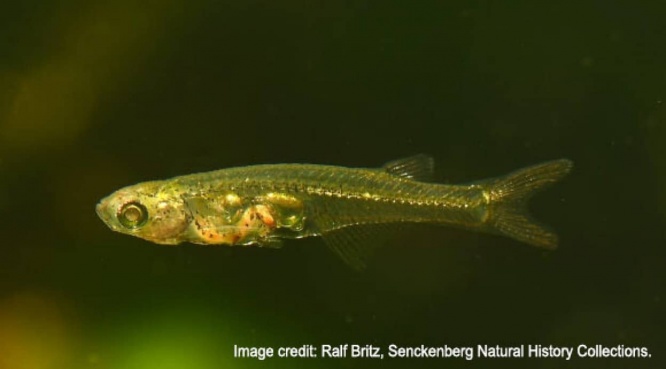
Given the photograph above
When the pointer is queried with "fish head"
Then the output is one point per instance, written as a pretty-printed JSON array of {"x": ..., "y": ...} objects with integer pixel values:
[{"x": 150, "y": 210}]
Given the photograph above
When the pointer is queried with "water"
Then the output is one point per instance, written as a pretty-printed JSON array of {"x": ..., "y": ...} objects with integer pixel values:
[{"x": 96, "y": 96}]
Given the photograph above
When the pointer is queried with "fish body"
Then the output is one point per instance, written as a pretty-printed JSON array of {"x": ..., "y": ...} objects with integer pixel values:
[{"x": 263, "y": 204}]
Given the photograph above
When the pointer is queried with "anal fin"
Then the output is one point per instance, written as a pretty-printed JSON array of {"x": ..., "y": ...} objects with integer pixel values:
[{"x": 357, "y": 243}]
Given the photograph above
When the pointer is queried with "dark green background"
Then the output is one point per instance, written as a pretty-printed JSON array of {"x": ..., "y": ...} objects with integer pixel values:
[{"x": 95, "y": 96}]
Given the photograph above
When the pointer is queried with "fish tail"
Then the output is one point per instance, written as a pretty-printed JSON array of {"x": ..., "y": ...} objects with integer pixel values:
[{"x": 508, "y": 195}]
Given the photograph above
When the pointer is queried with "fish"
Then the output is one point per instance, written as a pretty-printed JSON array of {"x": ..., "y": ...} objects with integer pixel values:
[{"x": 351, "y": 208}]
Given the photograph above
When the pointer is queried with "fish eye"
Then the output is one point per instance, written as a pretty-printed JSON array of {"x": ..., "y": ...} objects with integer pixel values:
[{"x": 132, "y": 215}]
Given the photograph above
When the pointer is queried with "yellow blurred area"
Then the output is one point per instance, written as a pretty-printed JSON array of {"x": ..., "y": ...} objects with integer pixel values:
[
  {"x": 177, "y": 338},
  {"x": 34, "y": 333},
  {"x": 52, "y": 103},
  {"x": 38, "y": 331}
]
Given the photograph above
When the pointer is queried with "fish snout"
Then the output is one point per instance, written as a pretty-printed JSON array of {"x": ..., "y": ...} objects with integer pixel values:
[{"x": 102, "y": 210}]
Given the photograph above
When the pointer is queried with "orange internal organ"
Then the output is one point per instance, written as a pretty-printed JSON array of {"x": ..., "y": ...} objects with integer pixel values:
[{"x": 255, "y": 223}]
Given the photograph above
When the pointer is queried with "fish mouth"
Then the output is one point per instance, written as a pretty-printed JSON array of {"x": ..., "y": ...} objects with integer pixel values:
[
  {"x": 99, "y": 209},
  {"x": 102, "y": 212}
]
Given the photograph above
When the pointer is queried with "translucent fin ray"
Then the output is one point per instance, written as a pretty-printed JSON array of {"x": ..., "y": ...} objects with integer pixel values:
[
  {"x": 356, "y": 244},
  {"x": 419, "y": 167},
  {"x": 508, "y": 209}
]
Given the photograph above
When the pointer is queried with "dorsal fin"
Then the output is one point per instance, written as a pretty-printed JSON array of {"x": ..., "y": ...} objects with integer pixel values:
[{"x": 419, "y": 167}]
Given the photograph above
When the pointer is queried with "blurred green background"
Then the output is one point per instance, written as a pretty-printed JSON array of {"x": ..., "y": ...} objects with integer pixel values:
[{"x": 98, "y": 95}]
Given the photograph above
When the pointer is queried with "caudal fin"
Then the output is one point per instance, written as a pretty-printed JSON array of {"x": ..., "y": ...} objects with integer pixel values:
[{"x": 508, "y": 213}]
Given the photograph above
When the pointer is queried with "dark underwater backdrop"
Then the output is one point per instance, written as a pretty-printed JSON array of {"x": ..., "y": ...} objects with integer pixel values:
[{"x": 98, "y": 95}]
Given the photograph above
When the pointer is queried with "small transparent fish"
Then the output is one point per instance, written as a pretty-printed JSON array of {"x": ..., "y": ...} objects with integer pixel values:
[{"x": 351, "y": 208}]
